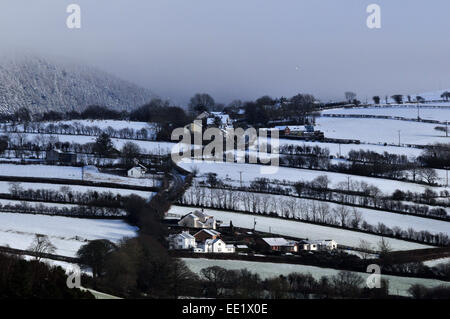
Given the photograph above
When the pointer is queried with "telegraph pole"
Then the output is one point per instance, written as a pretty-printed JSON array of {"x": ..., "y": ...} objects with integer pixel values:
[
  {"x": 399, "y": 132},
  {"x": 446, "y": 173},
  {"x": 240, "y": 178}
]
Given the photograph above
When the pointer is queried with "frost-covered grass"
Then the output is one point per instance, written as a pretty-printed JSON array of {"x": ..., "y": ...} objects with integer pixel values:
[
  {"x": 397, "y": 285},
  {"x": 300, "y": 229},
  {"x": 67, "y": 234}
]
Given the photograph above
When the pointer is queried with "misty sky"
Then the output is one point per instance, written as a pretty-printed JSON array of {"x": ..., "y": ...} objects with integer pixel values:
[{"x": 245, "y": 48}]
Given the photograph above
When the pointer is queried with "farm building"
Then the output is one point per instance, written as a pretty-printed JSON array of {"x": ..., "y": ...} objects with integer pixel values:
[
  {"x": 138, "y": 171},
  {"x": 278, "y": 244},
  {"x": 58, "y": 156},
  {"x": 205, "y": 234},
  {"x": 198, "y": 219},
  {"x": 216, "y": 246},
  {"x": 313, "y": 245}
]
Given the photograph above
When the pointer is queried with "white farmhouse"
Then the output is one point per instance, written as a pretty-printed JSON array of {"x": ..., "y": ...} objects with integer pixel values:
[
  {"x": 307, "y": 245},
  {"x": 327, "y": 244},
  {"x": 217, "y": 246},
  {"x": 183, "y": 240},
  {"x": 137, "y": 171},
  {"x": 313, "y": 245},
  {"x": 198, "y": 219}
]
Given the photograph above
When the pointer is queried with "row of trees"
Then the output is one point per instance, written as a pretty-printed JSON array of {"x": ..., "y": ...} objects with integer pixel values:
[
  {"x": 66, "y": 195},
  {"x": 77, "y": 128},
  {"x": 218, "y": 282},
  {"x": 369, "y": 163}
]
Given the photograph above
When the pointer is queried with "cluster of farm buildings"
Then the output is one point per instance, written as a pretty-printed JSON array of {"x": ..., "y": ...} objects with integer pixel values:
[{"x": 201, "y": 233}]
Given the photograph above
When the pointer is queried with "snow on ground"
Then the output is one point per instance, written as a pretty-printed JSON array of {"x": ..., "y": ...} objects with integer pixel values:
[
  {"x": 5, "y": 189},
  {"x": 67, "y": 234},
  {"x": 435, "y": 262},
  {"x": 44, "y": 207},
  {"x": 299, "y": 229},
  {"x": 346, "y": 148},
  {"x": 251, "y": 171},
  {"x": 147, "y": 147},
  {"x": 397, "y": 285},
  {"x": 371, "y": 216},
  {"x": 380, "y": 131},
  {"x": 45, "y": 171},
  {"x": 407, "y": 111},
  {"x": 104, "y": 124},
  {"x": 91, "y": 173}
]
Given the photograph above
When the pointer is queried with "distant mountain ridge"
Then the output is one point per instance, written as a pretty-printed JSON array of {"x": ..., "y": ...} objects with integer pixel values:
[{"x": 43, "y": 84}]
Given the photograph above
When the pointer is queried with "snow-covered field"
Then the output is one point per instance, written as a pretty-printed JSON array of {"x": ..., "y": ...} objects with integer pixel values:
[
  {"x": 5, "y": 189},
  {"x": 232, "y": 171},
  {"x": 91, "y": 173},
  {"x": 147, "y": 147},
  {"x": 397, "y": 285},
  {"x": 67, "y": 234},
  {"x": 344, "y": 149},
  {"x": 299, "y": 229},
  {"x": 45, "y": 171},
  {"x": 301, "y": 206},
  {"x": 381, "y": 131},
  {"x": 436, "y": 262},
  {"x": 407, "y": 111}
]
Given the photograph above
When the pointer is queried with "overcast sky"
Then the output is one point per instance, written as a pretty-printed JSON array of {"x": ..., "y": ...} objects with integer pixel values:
[{"x": 245, "y": 48}]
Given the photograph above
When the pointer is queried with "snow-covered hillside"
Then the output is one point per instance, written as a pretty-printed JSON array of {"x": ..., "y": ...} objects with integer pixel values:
[{"x": 52, "y": 84}]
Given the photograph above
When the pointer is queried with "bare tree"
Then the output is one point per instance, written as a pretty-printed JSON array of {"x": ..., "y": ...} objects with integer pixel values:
[
  {"x": 429, "y": 175},
  {"x": 324, "y": 211},
  {"x": 364, "y": 249},
  {"x": 350, "y": 96},
  {"x": 342, "y": 213},
  {"x": 41, "y": 246},
  {"x": 384, "y": 247},
  {"x": 356, "y": 218}
]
